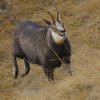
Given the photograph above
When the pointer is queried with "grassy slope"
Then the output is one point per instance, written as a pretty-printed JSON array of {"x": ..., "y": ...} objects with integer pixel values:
[{"x": 82, "y": 22}]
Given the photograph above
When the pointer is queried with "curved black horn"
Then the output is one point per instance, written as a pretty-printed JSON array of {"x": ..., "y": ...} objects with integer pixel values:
[
  {"x": 58, "y": 15},
  {"x": 51, "y": 16}
]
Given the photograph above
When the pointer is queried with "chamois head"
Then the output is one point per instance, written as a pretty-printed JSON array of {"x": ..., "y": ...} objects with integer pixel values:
[{"x": 57, "y": 27}]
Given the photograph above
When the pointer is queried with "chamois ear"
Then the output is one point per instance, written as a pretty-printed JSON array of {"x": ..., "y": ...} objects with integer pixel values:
[{"x": 47, "y": 22}]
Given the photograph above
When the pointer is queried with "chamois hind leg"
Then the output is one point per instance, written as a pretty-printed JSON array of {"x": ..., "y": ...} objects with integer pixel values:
[
  {"x": 15, "y": 67},
  {"x": 27, "y": 67}
]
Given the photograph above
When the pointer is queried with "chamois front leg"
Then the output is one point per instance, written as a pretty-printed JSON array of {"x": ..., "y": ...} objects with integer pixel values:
[
  {"x": 49, "y": 74},
  {"x": 47, "y": 70},
  {"x": 66, "y": 61}
]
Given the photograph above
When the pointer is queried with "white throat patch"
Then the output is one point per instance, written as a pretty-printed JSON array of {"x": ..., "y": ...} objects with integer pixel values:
[{"x": 57, "y": 38}]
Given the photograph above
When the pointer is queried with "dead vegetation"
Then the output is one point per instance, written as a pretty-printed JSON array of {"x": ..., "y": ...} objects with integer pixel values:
[{"x": 82, "y": 21}]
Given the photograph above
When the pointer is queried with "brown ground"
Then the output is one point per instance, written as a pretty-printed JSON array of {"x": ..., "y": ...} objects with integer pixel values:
[{"x": 82, "y": 22}]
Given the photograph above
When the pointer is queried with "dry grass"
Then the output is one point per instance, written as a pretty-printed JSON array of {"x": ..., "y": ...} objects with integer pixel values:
[{"x": 82, "y": 21}]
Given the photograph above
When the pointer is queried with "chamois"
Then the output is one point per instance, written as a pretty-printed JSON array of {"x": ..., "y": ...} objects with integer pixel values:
[{"x": 34, "y": 43}]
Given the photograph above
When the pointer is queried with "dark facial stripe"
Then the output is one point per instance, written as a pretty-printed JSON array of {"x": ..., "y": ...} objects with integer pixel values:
[{"x": 62, "y": 31}]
